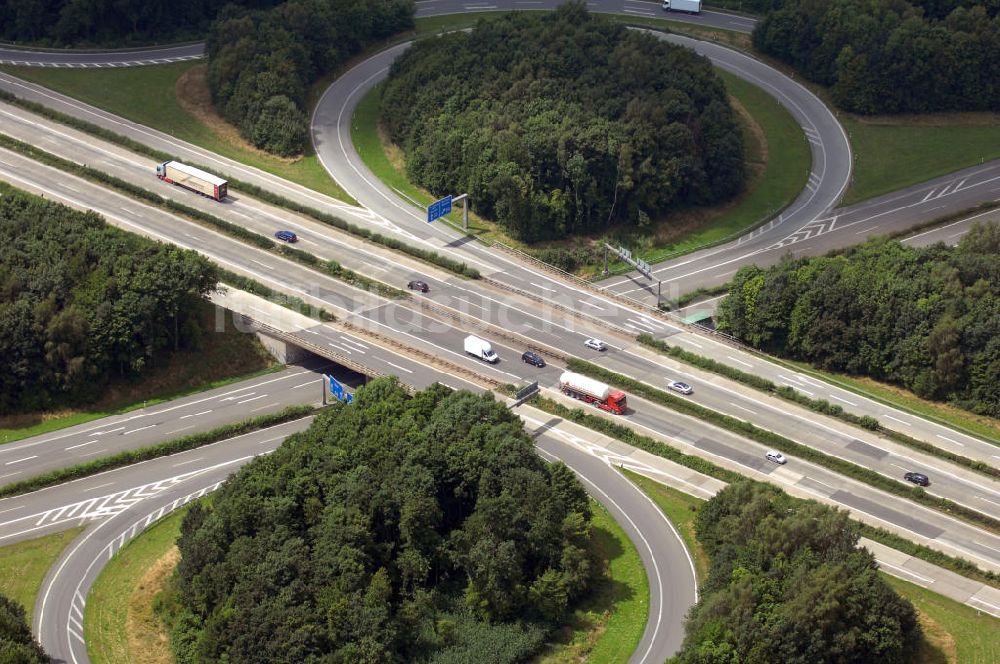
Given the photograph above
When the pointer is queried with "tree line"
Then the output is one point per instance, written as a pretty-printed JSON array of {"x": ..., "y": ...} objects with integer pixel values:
[
  {"x": 17, "y": 645},
  {"x": 262, "y": 62},
  {"x": 788, "y": 584},
  {"x": 892, "y": 56},
  {"x": 118, "y": 23},
  {"x": 925, "y": 318},
  {"x": 81, "y": 300},
  {"x": 564, "y": 122},
  {"x": 394, "y": 529}
]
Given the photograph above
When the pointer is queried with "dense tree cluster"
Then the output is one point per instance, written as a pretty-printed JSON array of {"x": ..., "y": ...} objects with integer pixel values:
[
  {"x": 394, "y": 529},
  {"x": 926, "y": 318},
  {"x": 80, "y": 300},
  {"x": 787, "y": 584},
  {"x": 89, "y": 22},
  {"x": 17, "y": 645},
  {"x": 892, "y": 56},
  {"x": 563, "y": 123},
  {"x": 261, "y": 63}
]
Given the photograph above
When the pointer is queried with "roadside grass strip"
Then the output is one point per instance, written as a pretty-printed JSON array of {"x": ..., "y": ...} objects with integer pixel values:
[{"x": 166, "y": 448}]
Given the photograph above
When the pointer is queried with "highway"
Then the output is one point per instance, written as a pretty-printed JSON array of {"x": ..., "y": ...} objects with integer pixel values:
[
  {"x": 523, "y": 288},
  {"x": 531, "y": 300},
  {"x": 532, "y": 325}
]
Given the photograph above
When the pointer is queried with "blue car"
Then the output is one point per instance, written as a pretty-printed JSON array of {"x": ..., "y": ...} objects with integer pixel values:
[{"x": 286, "y": 236}]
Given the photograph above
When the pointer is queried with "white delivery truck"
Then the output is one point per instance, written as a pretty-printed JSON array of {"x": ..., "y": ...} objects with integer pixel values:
[
  {"x": 689, "y": 6},
  {"x": 481, "y": 349},
  {"x": 192, "y": 178}
]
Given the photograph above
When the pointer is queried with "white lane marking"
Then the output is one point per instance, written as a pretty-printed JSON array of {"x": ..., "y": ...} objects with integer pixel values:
[
  {"x": 746, "y": 364},
  {"x": 591, "y": 304},
  {"x": 995, "y": 609},
  {"x": 732, "y": 403},
  {"x": 989, "y": 500},
  {"x": 898, "y": 466},
  {"x": 184, "y": 463},
  {"x": 551, "y": 290},
  {"x": 73, "y": 447},
  {"x": 882, "y": 563},
  {"x": 641, "y": 324},
  {"x": 950, "y": 440},
  {"x": 354, "y": 342},
  {"x": 149, "y": 426},
  {"x": 204, "y": 412},
  {"x": 93, "y": 453},
  {"x": 169, "y": 433},
  {"x": 101, "y": 433},
  {"x": 849, "y": 403},
  {"x": 99, "y": 486},
  {"x": 312, "y": 382},
  {"x": 239, "y": 396},
  {"x": 11, "y": 463},
  {"x": 11, "y": 509},
  {"x": 694, "y": 343},
  {"x": 340, "y": 348},
  {"x": 899, "y": 420},
  {"x": 264, "y": 265},
  {"x": 392, "y": 364},
  {"x": 270, "y": 405},
  {"x": 251, "y": 399}
]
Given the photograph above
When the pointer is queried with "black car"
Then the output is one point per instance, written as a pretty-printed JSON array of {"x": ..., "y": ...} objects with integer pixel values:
[
  {"x": 286, "y": 236},
  {"x": 418, "y": 285},
  {"x": 917, "y": 478},
  {"x": 533, "y": 358}
]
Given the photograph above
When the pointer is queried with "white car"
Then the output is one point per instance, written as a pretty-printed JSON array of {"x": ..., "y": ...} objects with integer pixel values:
[
  {"x": 596, "y": 344},
  {"x": 683, "y": 388},
  {"x": 776, "y": 457}
]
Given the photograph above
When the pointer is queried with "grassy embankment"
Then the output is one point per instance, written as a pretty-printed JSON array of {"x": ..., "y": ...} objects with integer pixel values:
[
  {"x": 952, "y": 632},
  {"x": 23, "y": 566},
  {"x": 122, "y": 625},
  {"x": 224, "y": 357}
]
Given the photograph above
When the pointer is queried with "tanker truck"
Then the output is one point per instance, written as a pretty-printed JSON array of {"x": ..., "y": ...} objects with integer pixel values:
[{"x": 593, "y": 391}]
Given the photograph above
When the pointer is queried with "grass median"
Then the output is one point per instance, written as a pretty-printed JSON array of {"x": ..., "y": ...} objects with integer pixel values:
[{"x": 128, "y": 457}]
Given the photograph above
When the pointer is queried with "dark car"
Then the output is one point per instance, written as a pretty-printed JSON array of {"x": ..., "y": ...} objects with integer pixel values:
[
  {"x": 286, "y": 236},
  {"x": 917, "y": 478},
  {"x": 418, "y": 285},
  {"x": 533, "y": 358}
]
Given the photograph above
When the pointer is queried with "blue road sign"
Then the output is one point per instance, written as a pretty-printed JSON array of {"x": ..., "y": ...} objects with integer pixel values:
[
  {"x": 336, "y": 389},
  {"x": 438, "y": 209}
]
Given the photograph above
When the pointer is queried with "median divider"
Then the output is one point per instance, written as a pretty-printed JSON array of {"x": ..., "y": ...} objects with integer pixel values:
[
  {"x": 606, "y": 426},
  {"x": 778, "y": 442},
  {"x": 821, "y": 406},
  {"x": 128, "y": 457}
]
